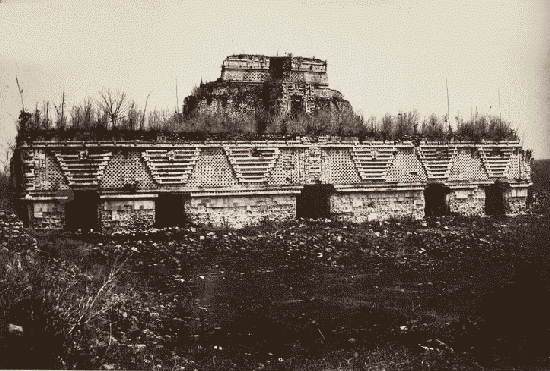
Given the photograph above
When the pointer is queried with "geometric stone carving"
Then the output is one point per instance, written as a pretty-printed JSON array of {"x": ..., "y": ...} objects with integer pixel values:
[
  {"x": 496, "y": 160},
  {"x": 252, "y": 164},
  {"x": 287, "y": 169},
  {"x": 341, "y": 168},
  {"x": 83, "y": 167},
  {"x": 173, "y": 166},
  {"x": 212, "y": 170},
  {"x": 437, "y": 161},
  {"x": 406, "y": 168},
  {"x": 466, "y": 166},
  {"x": 127, "y": 168},
  {"x": 372, "y": 163}
]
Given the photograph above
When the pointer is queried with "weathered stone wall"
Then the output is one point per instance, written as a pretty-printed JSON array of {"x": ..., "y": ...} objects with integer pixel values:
[
  {"x": 359, "y": 207},
  {"x": 10, "y": 228},
  {"x": 467, "y": 201},
  {"x": 47, "y": 215},
  {"x": 516, "y": 199},
  {"x": 126, "y": 214},
  {"x": 239, "y": 211},
  {"x": 239, "y": 183}
]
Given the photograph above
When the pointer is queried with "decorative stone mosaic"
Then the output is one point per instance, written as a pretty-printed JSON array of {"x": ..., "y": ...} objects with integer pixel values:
[
  {"x": 437, "y": 160},
  {"x": 495, "y": 160},
  {"x": 406, "y": 168},
  {"x": 127, "y": 168},
  {"x": 466, "y": 166},
  {"x": 173, "y": 166},
  {"x": 212, "y": 170},
  {"x": 341, "y": 168},
  {"x": 286, "y": 170},
  {"x": 83, "y": 167},
  {"x": 252, "y": 164},
  {"x": 56, "y": 178},
  {"x": 372, "y": 163}
]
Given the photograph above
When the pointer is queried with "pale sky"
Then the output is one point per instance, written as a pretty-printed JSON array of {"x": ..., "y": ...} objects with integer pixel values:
[{"x": 384, "y": 56}]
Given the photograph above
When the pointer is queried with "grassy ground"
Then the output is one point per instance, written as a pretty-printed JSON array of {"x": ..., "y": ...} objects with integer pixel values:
[{"x": 453, "y": 293}]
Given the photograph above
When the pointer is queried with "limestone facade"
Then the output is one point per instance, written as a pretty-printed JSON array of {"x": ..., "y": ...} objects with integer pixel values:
[{"x": 119, "y": 185}]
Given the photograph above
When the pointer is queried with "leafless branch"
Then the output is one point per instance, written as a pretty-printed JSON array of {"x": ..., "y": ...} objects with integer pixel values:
[{"x": 113, "y": 105}]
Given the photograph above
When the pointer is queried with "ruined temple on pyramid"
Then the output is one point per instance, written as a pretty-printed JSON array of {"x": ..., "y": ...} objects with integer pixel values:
[
  {"x": 281, "y": 85},
  {"x": 121, "y": 185}
]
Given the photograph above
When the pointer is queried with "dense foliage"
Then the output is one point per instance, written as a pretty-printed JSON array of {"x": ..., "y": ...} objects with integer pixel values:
[{"x": 114, "y": 117}]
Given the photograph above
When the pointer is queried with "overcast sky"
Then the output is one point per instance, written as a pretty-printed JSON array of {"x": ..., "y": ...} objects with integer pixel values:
[{"x": 384, "y": 56}]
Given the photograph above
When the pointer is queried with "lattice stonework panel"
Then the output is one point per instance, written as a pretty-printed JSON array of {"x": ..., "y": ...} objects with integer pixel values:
[
  {"x": 83, "y": 167},
  {"x": 27, "y": 158},
  {"x": 297, "y": 76},
  {"x": 467, "y": 165},
  {"x": 406, "y": 168},
  {"x": 127, "y": 168},
  {"x": 437, "y": 160},
  {"x": 496, "y": 160},
  {"x": 256, "y": 76},
  {"x": 286, "y": 169},
  {"x": 252, "y": 164},
  {"x": 55, "y": 175},
  {"x": 525, "y": 168},
  {"x": 341, "y": 168},
  {"x": 173, "y": 166},
  {"x": 513, "y": 169},
  {"x": 212, "y": 170},
  {"x": 372, "y": 163}
]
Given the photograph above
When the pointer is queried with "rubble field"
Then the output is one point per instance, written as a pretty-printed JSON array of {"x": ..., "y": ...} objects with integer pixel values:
[{"x": 453, "y": 292}]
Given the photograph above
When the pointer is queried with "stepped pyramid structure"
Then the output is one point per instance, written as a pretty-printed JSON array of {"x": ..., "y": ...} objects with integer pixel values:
[
  {"x": 280, "y": 85},
  {"x": 133, "y": 185}
]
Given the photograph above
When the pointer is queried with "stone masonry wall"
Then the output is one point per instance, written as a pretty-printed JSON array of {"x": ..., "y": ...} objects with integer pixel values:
[
  {"x": 47, "y": 215},
  {"x": 239, "y": 211},
  {"x": 118, "y": 215},
  {"x": 359, "y": 207},
  {"x": 516, "y": 199},
  {"x": 467, "y": 201}
]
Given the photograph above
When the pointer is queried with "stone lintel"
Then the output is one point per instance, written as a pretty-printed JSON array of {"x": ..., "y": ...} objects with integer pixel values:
[{"x": 133, "y": 196}]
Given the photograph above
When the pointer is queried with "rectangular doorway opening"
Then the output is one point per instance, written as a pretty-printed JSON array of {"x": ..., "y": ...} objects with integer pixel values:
[
  {"x": 170, "y": 209},
  {"x": 314, "y": 201},
  {"x": 81, "y": 211},
  {"x": 495, "y": 203},
  {"x": 435, "y": 198}
]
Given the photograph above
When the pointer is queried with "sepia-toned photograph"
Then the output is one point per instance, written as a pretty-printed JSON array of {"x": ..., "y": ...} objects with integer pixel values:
[{"x": 275, "y": 185}]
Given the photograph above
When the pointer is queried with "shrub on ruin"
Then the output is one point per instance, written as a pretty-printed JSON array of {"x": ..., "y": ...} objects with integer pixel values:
[{"x": 114, "y": 116}]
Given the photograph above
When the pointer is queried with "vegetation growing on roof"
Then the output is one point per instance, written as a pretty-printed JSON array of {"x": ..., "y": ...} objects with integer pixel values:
[{"x": 114, "y": 116}]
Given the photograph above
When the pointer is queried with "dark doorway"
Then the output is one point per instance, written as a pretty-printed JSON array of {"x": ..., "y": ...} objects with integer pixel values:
[
  {"x": 81, "y": 212},
  {"x": 494, "y": 199},
  {"x": 314, "y": 201},
  {"x": 277, "y": 67},
  {"x": 296, "y": 105},
  {"x": 24, "y": 212},
  {"x": 170, "y": 209},
  {"x": 435, "y": 199}
]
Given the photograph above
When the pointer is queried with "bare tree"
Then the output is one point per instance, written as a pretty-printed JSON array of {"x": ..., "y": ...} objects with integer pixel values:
[
  {"x": 142, "y": 123},
  {"x": 9, "y": 147},
  {"x": 82, "y": 117},
  {"x": 61, "y": 120},
  {"x": 131, "y": 121},
  {"x": 113, "y": 105},
  {"x": 387, "y": 126},
  {"x": 20, "y": 92}
]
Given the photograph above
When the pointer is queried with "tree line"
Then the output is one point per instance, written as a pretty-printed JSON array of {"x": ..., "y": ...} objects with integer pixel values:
[{"x": 113, "y": 114}]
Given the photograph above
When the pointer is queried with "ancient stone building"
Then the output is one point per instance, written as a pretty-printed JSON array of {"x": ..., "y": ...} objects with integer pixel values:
[
  {"x": 121, "y": 185},
  {"x": 281, "y": 85},
  {"x": 117, "y": 184}
]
